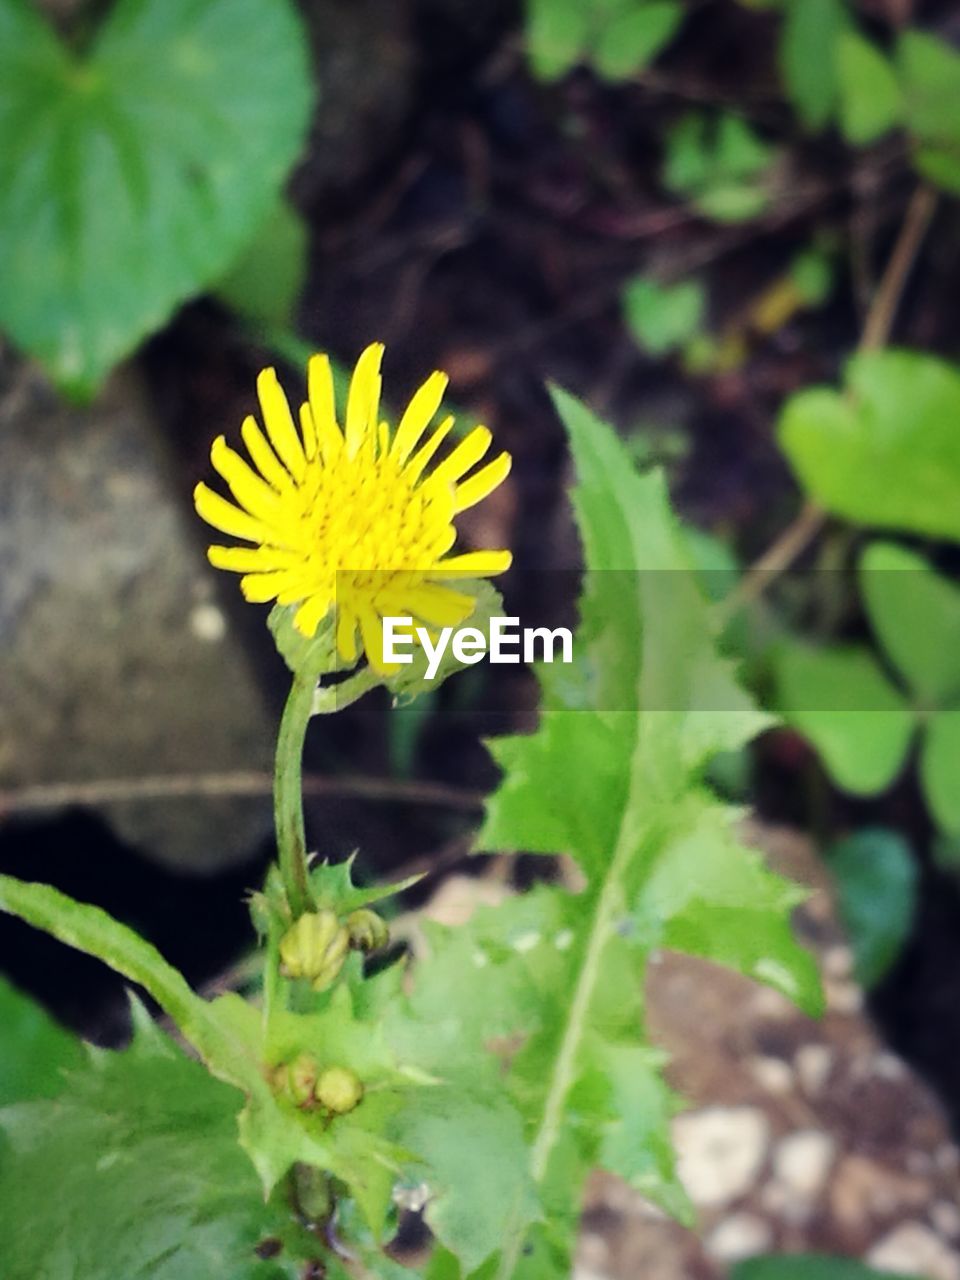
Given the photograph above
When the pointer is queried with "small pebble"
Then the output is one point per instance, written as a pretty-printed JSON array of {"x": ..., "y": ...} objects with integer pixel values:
[
  {"x": 802, "y": 1161},
  {"x": 914, "y": 1249},
  {"x": 740, "y": 1236},
  {"x": 720, "y": 1152}
]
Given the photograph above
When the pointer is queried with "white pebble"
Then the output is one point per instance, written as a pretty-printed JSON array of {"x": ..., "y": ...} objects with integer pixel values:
[
  {"x": 814, "y": 1063},
  {"x": 914, "y": 1248},
  {"x": 720, "y": 1152},
  {"x": 772, "y": 1074},
  {"x": 802, "y": 1161},
  {"x": 740, "y": 1236}
]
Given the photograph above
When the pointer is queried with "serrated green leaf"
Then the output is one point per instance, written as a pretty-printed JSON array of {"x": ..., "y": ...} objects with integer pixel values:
[
  {"x": 886, "y": 451},
  {"x": 36, "y": 1050},
  {"x": 876, "y": 876},
  {"x": 647, "y": 702},
  {"x": 707, "y": 895},
  {"x": 940, "y": 769},
  {"x": 272, "y": 1137},
  {"x": 915, "y": 613},
  {"x": 870, "y": 99},
  {"x": 131, "y": 178},
  {"x": 808, "y": 56},
  {"x": 333, "y": 887},
  {"x": 841, "y": 700},
  {"x": 135, "y": 1171},
  {"x": 473, "y": 1164}
]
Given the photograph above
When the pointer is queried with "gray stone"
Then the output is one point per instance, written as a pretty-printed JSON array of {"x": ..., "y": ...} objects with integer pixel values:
[{"x": 117, "y": 662}]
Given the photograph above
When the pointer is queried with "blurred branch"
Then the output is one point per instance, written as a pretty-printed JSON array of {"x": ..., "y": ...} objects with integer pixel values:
[
  {"x": 57, "y": 795},
  {"x": 802, "y": 531}
]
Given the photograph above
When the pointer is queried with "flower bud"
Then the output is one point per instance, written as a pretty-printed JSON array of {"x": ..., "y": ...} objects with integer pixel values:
[
  {"x": 296, "y": 1079},
  {"x": 315, "y": 948},
  {"x": 302, "y": 1078},
  {"x": 368, "y": 931},
  {"x": 338, "y": 1089}
]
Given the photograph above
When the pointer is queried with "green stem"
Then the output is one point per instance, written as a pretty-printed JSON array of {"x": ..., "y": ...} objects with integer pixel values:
[{"x": 288, "y": 794}]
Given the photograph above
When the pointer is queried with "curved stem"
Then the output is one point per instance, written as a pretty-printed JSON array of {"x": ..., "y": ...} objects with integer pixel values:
[{"x": 288, "y": 793}]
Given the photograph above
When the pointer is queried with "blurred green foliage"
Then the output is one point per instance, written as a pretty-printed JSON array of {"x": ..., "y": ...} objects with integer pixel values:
[
  {"x": 617, "y": 38},
  {"x": 35, "y": 1051},
  {"x": 809, "y": 1266},
  {"x": 662, "y": 317},
  {"x": 720, "y": 164},
  {"x": 132, "y": 176},
  {"x": 875, "y": 872}
]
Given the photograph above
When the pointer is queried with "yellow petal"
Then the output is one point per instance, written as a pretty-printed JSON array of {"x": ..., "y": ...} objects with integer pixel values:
[
  {"x": 467, "y": 453},
  {"x": 363, "y": 400},
  {"x": 226, "y": 517},
  {"x": 246, "y": 486},
  {"x": 310, "y": 614},
  {"x": 414, "y": 468},
  {"x": 323, "y": 405},
  {"x": 279, "y": 423},
  {"x": 346, "y": 634},
  {"x": 251, "y": 559},
  {"x": 383, "y": 439},
  {"x": 482, "y": 483},
  {"x": 418, "y": 414},
  {"x": 471, "y": 564},
  {"x": 371, "y": 632},
  {"x": 263, "y": 457},
  {"x": 258, "y": 588},
  {"x": 308, "y": 431},
  {"x": 439, "y": 606}
]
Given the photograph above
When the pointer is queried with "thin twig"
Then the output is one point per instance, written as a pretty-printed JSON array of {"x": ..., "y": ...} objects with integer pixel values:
[
  {"x": 58, "y": 795},
  {"x": 801, "y": 532}
]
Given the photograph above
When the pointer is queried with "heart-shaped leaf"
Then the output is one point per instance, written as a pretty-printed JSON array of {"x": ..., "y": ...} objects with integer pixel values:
[
  {"x": 887, "y": 452},
  {"x": 132, "y": 177},
  {"x": 842, "y": 702}
]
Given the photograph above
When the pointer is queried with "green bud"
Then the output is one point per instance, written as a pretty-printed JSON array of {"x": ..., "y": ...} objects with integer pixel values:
[
  {"x": 338, "y": 1089},
  {"x": 368, "y": 931},
  {"x": 315, "y": 948},
  {"x": 296, "y": 1079},
  {"x": 302, "y": 1078}
]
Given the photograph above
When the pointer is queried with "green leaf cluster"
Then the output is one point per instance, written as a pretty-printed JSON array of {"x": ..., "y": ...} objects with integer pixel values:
[
  {"x": 834, "y": 73},
  {"x": 720, "y": 164},
  {"x": 614, "y": 777},
  {"x": 134, "y": 1170},
  {"x": 862, "y": 716},
  {"x": 516, "y": 1060},
  {"x": 617, "y": 38},
  {"x": 133, "y": 175}
]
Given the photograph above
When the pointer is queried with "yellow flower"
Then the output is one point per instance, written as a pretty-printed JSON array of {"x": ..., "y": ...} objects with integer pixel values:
[{"x": 350, "y": 519}]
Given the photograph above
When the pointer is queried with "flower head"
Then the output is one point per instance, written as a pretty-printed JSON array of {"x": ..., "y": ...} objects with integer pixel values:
[{"x": 350, "y": 519}]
